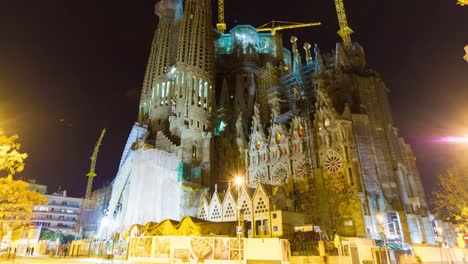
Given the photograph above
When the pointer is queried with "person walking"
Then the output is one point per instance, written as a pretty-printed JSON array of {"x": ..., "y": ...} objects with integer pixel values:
[{"x": 31, "y": 252}]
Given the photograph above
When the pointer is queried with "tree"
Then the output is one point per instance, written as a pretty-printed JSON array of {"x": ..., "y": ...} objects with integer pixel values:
[
  {"x": 49, "y": 235},
  {"x": 451, "y": 197},
  {"x": 342, "y": 202},
  {"x": 11, "y": 159},
  {"x": 16, "y": 203}
]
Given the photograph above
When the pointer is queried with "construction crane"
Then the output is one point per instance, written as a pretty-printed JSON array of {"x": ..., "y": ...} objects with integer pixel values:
[
  {"x": 221, "y": 25},
  {"x": 91, "y": 174},
  {"x": 344, "y": 32},
  {"x": 276, "y": 25}
]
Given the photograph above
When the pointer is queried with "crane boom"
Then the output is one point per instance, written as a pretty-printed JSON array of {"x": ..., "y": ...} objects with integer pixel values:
[
  {"x": 344, "y": 32},
  {"x": 273, "y": 27},
  {"x": 91, "y": 174}
]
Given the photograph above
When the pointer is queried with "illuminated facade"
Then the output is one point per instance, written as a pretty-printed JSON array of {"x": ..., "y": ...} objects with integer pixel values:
[
  {"x": 219, "y": 105},
  {"x": 62, "y": 213}
]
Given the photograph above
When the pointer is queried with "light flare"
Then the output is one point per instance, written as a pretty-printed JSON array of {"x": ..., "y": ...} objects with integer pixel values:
[{"x": 450, "y": 140}]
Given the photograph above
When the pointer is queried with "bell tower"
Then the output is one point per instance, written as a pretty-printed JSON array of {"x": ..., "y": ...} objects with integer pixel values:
[
  {"x": 178, "y": 89},
  {"x": 156, "y": 92},
  {"x": 192, "y": 105}
]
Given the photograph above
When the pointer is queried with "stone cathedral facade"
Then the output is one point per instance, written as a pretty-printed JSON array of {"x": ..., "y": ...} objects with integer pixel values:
[{"x": 310, "y": 132}]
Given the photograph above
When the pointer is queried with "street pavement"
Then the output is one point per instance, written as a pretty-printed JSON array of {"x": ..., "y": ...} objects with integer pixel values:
[{"x": 71, "y": 260}]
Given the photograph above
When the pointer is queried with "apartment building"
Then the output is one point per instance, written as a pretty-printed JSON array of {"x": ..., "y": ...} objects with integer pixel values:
[{"x": 62, "y": 213}]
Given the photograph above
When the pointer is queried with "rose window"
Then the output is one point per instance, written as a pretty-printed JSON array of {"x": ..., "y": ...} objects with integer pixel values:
[
  {"x": 333, "y": 163},
  {"x": 280, "y": 175},
  {"x": 259, "y": 177},
  {"x": 301, "y": 170}
]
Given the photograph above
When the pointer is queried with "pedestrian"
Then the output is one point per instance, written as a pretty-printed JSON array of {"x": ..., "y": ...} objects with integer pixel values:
[
  {"x": 60, "y": 251},
  {"x": 65, "y": 251},
  {"x": 27, "y": 251},
  {"x": 32, "y": 251}
]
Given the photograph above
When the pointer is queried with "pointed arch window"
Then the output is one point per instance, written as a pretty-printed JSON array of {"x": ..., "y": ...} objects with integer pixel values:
[
  {"x": 163, "y": 93},
  {"x": 194, "y": 152},
  {"x": 168, "y": 90},
  {"x": 205, "y": 94},
  {"x": 194, "y": 90}
]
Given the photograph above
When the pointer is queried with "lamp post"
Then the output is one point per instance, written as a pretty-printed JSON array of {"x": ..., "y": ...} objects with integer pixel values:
[
  {"x": 380, "y": 218},
  {"x": 440, "y": 242},
  {"x": 58, "y": 235},
  {"x": 239, "y": 181}
]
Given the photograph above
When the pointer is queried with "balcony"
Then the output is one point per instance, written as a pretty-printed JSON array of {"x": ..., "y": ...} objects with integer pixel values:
[
  {"x": 43, "y": 219},
  {"x": 63, "y": 205},
  {"x": 53, "y": 212}
]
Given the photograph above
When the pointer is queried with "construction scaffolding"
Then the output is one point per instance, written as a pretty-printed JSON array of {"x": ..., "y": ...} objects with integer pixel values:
[{"x": 268, "y": 86}]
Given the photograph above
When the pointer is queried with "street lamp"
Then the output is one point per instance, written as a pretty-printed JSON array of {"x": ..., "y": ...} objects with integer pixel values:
[
  {"x": 238, "y": 181},
  {"x": 440, "y": 242},
  {"x": 380, "y": 219}
]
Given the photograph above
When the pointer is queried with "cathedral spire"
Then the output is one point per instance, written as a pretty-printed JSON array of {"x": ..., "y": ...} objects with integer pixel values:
[{"x": 307, "y": 47}]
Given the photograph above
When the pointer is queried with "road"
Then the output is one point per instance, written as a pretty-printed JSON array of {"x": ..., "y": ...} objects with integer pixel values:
[{"x": 47, "y": 260}]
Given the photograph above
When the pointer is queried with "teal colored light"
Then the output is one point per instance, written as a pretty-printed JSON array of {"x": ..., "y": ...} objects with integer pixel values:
[
  {"x": 222, "y": 125},
  {"x": 220, "y": 128},
  {"x": 224, "y": 45},
  {"x": 244, "y": 36}
]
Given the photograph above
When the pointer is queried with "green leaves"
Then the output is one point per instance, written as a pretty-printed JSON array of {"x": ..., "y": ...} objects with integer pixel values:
[{"x": 451, "y": 197}]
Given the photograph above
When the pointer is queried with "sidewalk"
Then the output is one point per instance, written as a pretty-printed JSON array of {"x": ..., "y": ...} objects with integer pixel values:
[{"x": 43, "y": 259}]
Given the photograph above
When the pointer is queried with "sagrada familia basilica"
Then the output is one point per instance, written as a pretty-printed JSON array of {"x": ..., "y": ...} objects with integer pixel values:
[{"x": 310, "y": 133}]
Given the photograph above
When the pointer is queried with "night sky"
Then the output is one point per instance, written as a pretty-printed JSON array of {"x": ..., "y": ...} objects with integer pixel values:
[{"x": 70, "y": 68}]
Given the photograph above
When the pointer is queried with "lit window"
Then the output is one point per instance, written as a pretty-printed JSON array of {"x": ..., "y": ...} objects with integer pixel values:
[{"x": 348, "y": 223}]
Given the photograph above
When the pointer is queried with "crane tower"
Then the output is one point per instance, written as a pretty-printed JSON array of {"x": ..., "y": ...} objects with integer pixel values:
[
  {"x": 91, "y": 174},
  {"x": 344, "y": 32},
  {"x": 221, "y": 25}
]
